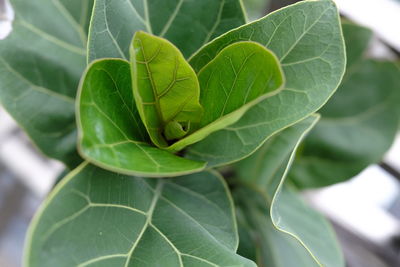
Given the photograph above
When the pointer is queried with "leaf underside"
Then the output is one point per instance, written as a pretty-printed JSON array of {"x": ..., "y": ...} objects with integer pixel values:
[
  {"x": 265, "y": 172},
  {"x": 133, "y": 221},
  {"x": 111, "y": 132},
  {"x": 261, "y": 241}
]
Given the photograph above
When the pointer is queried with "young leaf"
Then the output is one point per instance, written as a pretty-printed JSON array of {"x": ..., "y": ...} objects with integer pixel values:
[
  {"x": 239, "y": 77},
  {"x": 131, "y": 221},
  {"x": 40, "y": 66},
  {"x": 265, "y": 171},
  {"x": 307, "y": 39},
  {"x": 165, "y": 87},
  {"x": 358, "y": 124},
  {"x": 187, "y": 24},
  {"x": 111, "y": 134}
]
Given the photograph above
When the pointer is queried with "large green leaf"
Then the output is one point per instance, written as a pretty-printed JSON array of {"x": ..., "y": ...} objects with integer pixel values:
[
  {"x": 242, "y": 75},
  {"x": 40, "y": 66},
  {"x": 187, "y": 24},
  {"x": 165, "y": 87},
  {"x": 265, "y": 172},
  {"x": 111, "y": 132},
  {"x": 307, "y": 39},
  {"x": 358, "y": 124},
  {"x": 97, "y": 218},
  {"x": 269, "y": 246}
]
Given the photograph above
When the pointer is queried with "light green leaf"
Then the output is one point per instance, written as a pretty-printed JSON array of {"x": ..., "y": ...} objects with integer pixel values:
[
  {"x": 358, "y": 124},
  {"x": 242, "y": 75},
  {"x": 187, "y": 24},
  {"x": 40, "y": 66},
  {"x": 265, "y": 171},
  {"x": 307, "y": 39},
  {"x": 165, "y": 87},
  {"x": 111, "y": 134},
  {"x": 107, "y": 219}
]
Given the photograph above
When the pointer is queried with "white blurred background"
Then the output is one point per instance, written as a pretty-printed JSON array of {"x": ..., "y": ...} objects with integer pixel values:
[{"x": 365, "y": 210}]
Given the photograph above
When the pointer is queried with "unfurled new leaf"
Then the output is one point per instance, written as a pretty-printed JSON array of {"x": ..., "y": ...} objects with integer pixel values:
[
  {"x": 111, "y": 133},
  {"x": 240, "y": 76},
  {"x": 165, "y": 87}
]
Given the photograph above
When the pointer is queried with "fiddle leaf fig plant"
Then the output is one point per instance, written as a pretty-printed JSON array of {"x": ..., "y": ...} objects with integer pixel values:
[{"x": 178, "y": 123}]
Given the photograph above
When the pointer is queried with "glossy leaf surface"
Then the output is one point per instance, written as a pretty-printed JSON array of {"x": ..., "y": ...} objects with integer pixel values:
[
  {"x": 307, "y": 39},
  {"x": 242, "y": 75},
  {"x": 40, "y": 66},
  {"x": 265, "y": 172},
  {"x": 111, "y": 132},
  {"x": 358, "y": 124},
  {"x": 165, "y": 87},
  {"x": 107, "y": 219},
  {"x": 114, "y": 23}
]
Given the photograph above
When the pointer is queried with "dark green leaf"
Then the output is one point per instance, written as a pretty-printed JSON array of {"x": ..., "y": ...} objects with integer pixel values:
[
  {"x": 357, "y": 40},
  {"x": 272, "y": 247},
  {"x": 97, "y": 218},
  {"x": 165, "y": 87},
  {"x": 187, "y": 24},
  {"x": 111, "y": 132},
  {"x": 242, "y": 75},
  {"x": 265, "y": 171},
  {"x": 40, "y": 66},
  {"x": 358, "y": 124},
  {"x": 307, "y": 39}
]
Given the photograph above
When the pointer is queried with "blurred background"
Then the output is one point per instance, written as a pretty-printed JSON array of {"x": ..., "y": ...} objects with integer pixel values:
[{"x": 365, "y": 210}]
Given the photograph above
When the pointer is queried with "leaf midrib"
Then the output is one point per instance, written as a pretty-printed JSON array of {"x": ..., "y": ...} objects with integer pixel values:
[
  {"x": 65, "y": 45},
  {"x": 153, "y": 86},
  {"x": 68, "y": 16}
]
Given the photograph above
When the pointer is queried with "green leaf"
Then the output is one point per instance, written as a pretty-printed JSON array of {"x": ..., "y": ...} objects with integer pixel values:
[
  {"x": 357, "y": 40},
  {"x": 40, "y": 66},
  {"x": 165, "y": 87},
  {"x": 265, "y": 172},
  {"x": 187, "y": 24},
  {"x": 112, "y": 135},
  {"x": 358, "y": 124},
  {"x": 269, "y": 246},
  {"x": 307, "y": 39},
  {"x": 239, "y": 77},
  {"x": 107, "y": 219}
]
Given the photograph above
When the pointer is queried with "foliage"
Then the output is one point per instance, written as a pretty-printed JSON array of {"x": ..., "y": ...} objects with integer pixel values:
[
  {"x": 358, "y": 124},
  {"x": 171, "y": 90}
]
